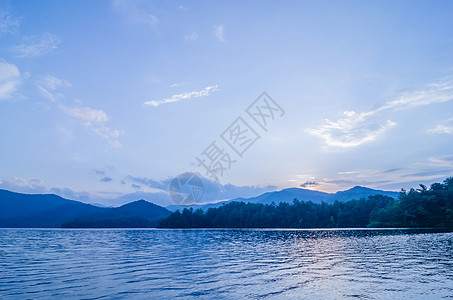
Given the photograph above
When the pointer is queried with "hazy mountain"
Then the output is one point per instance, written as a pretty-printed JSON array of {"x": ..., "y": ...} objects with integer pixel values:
[
  {"x": 358, "y": 192},
  {"x": 51, "y": 211},
  {"x": 14, "y": 205},
  {"x": 162, "y": 198},
  {"x": 136, "y": 214},
  {"x": 287, "y": 195}
]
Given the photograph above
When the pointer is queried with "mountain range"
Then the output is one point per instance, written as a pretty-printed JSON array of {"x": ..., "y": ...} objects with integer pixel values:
[
  {"x": 289, "y": 194},
  {"x": 51, "y": 211}
]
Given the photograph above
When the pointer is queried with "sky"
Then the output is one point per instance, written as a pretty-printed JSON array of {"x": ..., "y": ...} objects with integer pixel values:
[{"x": 107, "y": 101}]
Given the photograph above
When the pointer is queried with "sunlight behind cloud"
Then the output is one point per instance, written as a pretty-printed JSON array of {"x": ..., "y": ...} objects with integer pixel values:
[{"x": 359, "y": 128}]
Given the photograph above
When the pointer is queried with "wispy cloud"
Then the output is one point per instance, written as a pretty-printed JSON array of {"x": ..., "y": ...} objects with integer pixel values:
[
  {"x": 308, "y": 184},
  {"x": 358, "y": 128},
  {"x": 442, "y": 160},
  {"x": 137, "y": 12},
  {"x": 183, "y": 96},
  {"x": 99, "y": 172},
  {"x": 110, "y": 135},
  {"x": 446, "y": 127},
  {"x": 10, "y": 79},
  {"x": 37, "y": 186},
  {"x": 103, "y": 177},
  {"x": 106, "y": 179},
  {"x": 213, "y": 191},
  {"x": 48, "y": 84},
  {"x": 22, "y": 185},
  {"x": 191, "y": 37},
  {"x": 219, "y": 33},
  {"x": 86, "y": 114},
  {"x": 34, "y": 46},
  {"x": 176, "y": 84},
  {"x": 95, "y": 119},
  {"x": 161, "y": 185},
  {"x": 351, "y": 131},
  {"x": 8, "y": 22}
]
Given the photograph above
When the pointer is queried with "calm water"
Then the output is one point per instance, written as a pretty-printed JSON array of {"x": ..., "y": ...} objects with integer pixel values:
[{"x": 225, "y": 264}]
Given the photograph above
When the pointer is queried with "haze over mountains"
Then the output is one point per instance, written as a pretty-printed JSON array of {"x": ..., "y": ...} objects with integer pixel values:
[
  {"x": 51, "y": 211},
  {"x": 287, "y": 195}
]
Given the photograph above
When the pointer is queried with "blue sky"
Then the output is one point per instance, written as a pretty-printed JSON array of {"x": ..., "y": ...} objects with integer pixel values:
[{"x": 107, "y": 99}]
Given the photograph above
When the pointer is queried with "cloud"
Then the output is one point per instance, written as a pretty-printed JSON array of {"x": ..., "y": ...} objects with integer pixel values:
[
  {"x": 429, "y": 173},
  {"x": 191, "y": 37},
  {"x": 351, "y": 131},
  {"x": 98, "y": 172},
  {"x": 48, "y": 84},
  {"x": 10, "y": 79},
  {"x": 110, "y": 135},
  {"x": 95, "y": 119},
  {"x": 347, "y": 172},
  {"x": 442, "y": 160},
  {"x": 86, "y": 114},
  {"x": 446, "y": 127},
  {"x": 392, "y": 170},
  {"x": 434, "y": 93},
  {"x": 103, "y": 177},
  {"x": 161, "y": 185},
  {"x": 213, "y": 191},
  {"x": 137, "y": 12},
  {"x": 219, "y": 33},
  {"x": 52, "y": 82},
  {"x": 33, "y": 46},
  {"x": 8, "y": 23},
  {"x": 70, "y": 194},
  {"x": 308, "y": 184},
  {"x": 136, "y": 186},
  {"x": 188, "y": 95},
  {"x": 106, "y": 179},
  {"x": 21, "y": 185},
  {"x": 358, "y": 128}
]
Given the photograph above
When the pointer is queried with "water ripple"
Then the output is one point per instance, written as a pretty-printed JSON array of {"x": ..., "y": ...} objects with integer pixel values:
[{"x": 225, "y": 264}]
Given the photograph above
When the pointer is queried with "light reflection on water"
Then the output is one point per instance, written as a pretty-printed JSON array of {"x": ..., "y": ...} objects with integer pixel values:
[{"x": 225, "y": 264}]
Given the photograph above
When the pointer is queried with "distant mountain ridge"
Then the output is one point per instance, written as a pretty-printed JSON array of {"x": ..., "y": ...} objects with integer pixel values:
[
  {"x": 289, "y": 194},
  {"x": 51, "y": 211},
  {"x": 137, "y": 214}
]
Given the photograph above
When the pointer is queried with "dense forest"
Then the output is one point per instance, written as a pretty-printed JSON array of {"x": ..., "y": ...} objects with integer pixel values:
[{"x": 423, "y": 207}]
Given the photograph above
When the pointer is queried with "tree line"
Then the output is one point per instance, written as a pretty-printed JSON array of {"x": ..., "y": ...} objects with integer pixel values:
[{"x": 423, "y": 207}]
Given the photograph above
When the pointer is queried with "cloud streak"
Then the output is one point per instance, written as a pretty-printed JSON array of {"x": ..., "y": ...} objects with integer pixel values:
[
  {"x": 191, "y": 37},
  {"x": 95, "y": 119},
  {"x": 86, "y": 114},
  {"x": 48, "y": 84},
  {"x": 33, "y": 46},
  {"x": 183, "y": 96},
  {"x": 446, "y": 127}
]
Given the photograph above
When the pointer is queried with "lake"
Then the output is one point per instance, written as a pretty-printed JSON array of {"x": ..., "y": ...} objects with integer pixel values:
[{"x": 225, "y": 264}]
